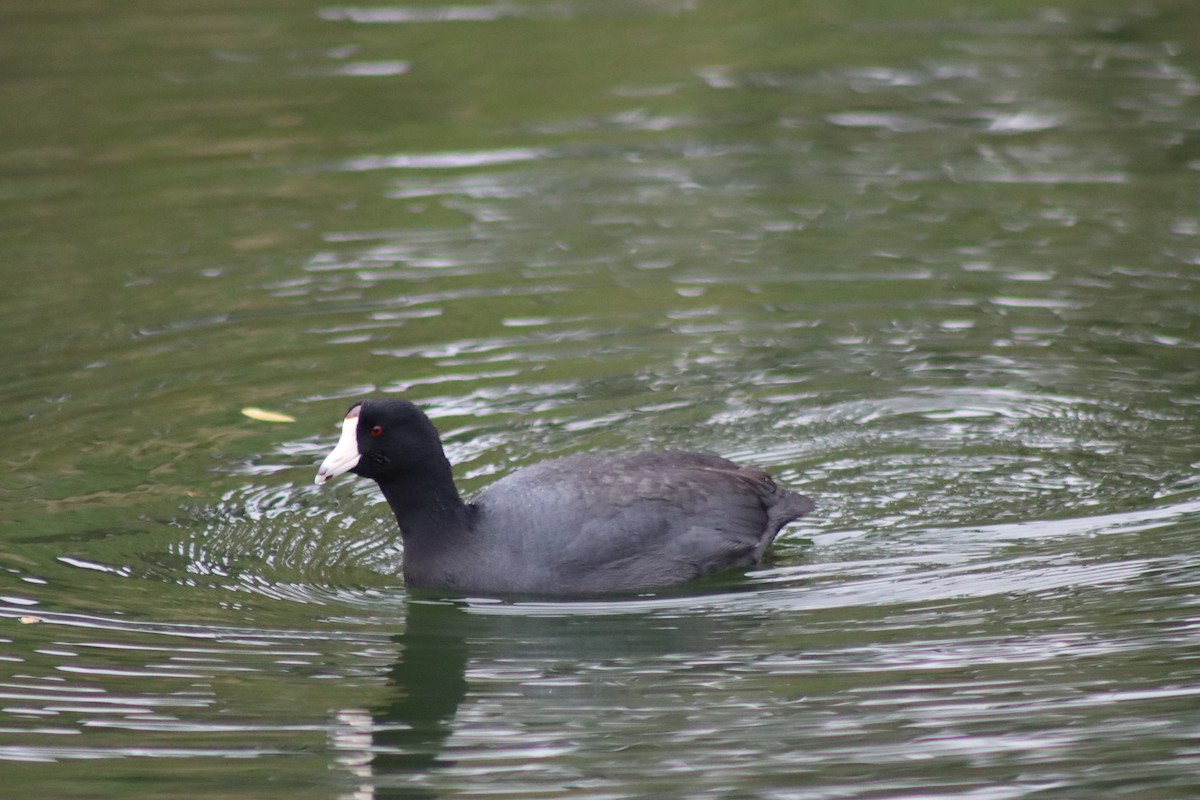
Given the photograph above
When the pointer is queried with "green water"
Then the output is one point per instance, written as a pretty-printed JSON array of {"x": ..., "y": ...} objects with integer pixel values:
[{"x": 935, "y": 264}]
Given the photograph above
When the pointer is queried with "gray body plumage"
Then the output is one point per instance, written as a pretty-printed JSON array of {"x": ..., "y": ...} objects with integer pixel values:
[{"x": 602, "y": 523}]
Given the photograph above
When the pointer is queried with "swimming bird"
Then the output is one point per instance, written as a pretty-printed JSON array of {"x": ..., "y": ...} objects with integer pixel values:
[{"x": 579, "y": 525}]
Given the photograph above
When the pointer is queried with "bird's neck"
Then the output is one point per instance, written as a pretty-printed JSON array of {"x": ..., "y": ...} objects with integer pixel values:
[{"x": 429, "y": 510}]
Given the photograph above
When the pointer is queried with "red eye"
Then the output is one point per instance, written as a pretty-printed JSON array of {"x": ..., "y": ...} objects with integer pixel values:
[{"x": 377, "y": 431}]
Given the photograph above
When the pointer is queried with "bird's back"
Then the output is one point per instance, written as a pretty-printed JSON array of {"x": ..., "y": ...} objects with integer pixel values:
[{"x": 622, "y": 522}]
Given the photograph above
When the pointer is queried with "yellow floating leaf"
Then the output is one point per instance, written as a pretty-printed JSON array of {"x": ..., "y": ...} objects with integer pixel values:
[{"x": 263, "y": 415}]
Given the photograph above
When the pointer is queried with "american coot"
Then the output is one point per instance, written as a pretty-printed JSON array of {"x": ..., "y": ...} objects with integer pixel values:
[{"x": 582, "y": 524}]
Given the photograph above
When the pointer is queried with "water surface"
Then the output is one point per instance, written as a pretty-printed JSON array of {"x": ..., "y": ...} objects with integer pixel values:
[{"x": 936, "y": 267}]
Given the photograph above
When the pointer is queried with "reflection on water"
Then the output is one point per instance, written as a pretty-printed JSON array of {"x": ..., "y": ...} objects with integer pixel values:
[
  {"x": 393, "y": 750},
  {"x": 938, "y": 272}
]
